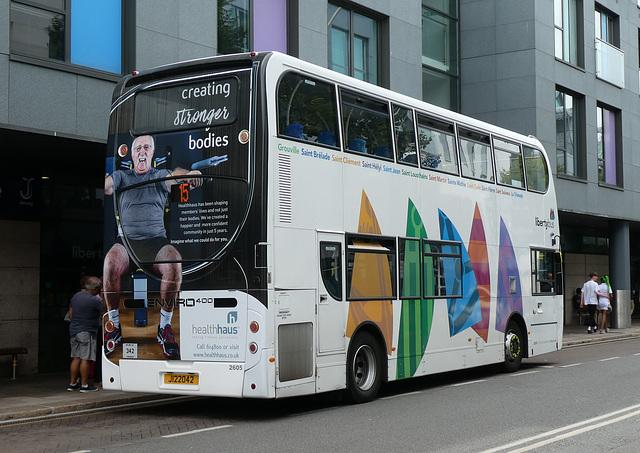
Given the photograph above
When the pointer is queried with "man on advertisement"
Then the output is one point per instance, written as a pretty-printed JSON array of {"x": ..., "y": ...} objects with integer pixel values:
[{"x": 141, "y": 212}]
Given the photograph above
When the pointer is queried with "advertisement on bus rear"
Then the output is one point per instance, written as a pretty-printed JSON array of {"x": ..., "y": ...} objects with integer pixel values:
[{"x": 177, "y": 189}]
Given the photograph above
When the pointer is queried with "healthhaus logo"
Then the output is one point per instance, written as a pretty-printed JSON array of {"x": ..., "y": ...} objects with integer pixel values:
[
  {"x": 218, "y": 329},
  {"x": 232, "y": 317}
]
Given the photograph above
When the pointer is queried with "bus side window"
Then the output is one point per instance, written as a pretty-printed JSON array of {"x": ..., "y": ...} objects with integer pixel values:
[
  {"x": 331, "y": 268},
  {"x": 366, "y": 125},
  {"x": 307, "y": 109},
  {"x": 536, "y": 170},
  {"x": 409, "y": 268},
  {"x": 476, "y": 159},
  {"x": 546, "y": 273},
  {"x": 371, "y": 268},
  {"x": 508, "y": 163},
  {"x": 437, "y": 144},
  {"x": 442, "y": 261},
  {"x": 404, "y": 132}
]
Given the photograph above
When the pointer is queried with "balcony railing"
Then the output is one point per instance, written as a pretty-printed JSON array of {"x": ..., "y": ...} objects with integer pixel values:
[{"x": 609, "y": 63}]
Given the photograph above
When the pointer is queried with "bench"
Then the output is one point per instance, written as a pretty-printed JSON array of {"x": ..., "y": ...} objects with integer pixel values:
[{"x": 14, "y": 353}]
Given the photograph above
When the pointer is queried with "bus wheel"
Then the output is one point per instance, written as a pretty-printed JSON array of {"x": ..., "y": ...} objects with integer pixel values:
[
  {"x": 512, "y": 348},
  {"x": 364, "y": 368}
]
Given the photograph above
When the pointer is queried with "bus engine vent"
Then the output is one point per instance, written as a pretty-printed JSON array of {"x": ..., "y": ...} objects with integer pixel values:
[
  {"x": 284, "y": 188},
  {"x": 295, "y": 351}
]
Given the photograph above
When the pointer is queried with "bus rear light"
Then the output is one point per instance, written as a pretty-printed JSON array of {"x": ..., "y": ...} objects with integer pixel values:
[
  {"x": 253, "y": 347},
  {"x": 254, "y": 326}
]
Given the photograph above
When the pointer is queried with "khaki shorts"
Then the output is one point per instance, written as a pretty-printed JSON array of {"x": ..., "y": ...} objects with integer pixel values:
[{"x": 83, "y": 346}]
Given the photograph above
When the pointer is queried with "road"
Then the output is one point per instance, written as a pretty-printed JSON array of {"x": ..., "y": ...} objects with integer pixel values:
[{"x": 578, "y": 399}]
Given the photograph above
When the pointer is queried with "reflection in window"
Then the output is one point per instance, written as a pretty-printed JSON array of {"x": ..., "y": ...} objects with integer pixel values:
[
  {"x": 437, "y": 145},
  {"x": 536, "y": 170},
  {"x": 607, "y": 146},
  {"x": 567, "y": 32},
  {"x": 353, "y": 43},
  {"x": 331, "y": 268},
  {"x": 366, "y": 125},
  {"x": 307, "y": 110},
  {"x": 442, "y": 269},
  {"x": 567, "y": 125},
  {"x": 371, "y": 268},
  {"x": 508, "y": 163},
  {"x": 87, "y": 34},
  {"x": 233, "y": 26},
  {"x": 440, "y": 53},
  {"x": 404, "y": 133},
  {"x": 475, "y": 155}
]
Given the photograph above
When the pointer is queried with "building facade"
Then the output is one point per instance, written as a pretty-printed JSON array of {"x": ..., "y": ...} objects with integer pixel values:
[{"x": 566, "y": 71}]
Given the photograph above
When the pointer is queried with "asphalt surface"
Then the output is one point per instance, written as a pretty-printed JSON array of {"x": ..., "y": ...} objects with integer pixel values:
[{"x": 45, "y": 395}]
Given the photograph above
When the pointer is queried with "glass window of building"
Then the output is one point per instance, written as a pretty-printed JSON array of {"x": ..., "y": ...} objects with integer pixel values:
[
  {"x": 568, "y": 31},
  {"x": 608, "y": 150},
  {"x": 607, "y": 26},
  {"x": 569, "y": 134},
  {"x": 233, "y": 26},
  {"x": 87, "y": 34},
  {"x": 440, "y": 53},
  {"x": 353, "y": 43}
]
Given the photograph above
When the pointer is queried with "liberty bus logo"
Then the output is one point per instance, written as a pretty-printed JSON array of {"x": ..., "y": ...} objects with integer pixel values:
[
  {"x": 232, "y": 317},
  {"x": 547, "y": 223}
]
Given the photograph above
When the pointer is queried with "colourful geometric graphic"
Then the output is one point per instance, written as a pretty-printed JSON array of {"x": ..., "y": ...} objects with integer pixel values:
[
  {"x": 380, "y": 312},
  {"x": 465, "y": 311},
  {"x": 509, "y": 289},
  {"x": 480, "y": 261},
  {"x": 416, "y": 315}
]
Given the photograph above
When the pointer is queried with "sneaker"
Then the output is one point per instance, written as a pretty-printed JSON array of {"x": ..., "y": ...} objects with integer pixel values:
[
  {"x": 167, "y": 342},
  {"x": 88, "y": 388},
  {"x": 601, "y": 331},
  {"x": 606, "y": 330},
  {"x": 595, "y": 328},
  {"x": 589, "y": 330},
  {"x": 73, "y": 387},
  {"x": 112, "y": 338}
]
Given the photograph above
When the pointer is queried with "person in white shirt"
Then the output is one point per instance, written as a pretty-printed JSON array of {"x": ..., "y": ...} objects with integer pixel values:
[{"x": 589, "y": 297}]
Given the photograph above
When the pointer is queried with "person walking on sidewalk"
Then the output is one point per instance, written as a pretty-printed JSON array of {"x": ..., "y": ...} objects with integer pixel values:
[
  {"x": 84, "y": 312},
  {"x": 590, "y": 300},
  {"x": 604, "y": 301}
]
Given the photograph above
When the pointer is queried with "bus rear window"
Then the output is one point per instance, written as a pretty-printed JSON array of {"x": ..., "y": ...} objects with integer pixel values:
[{"x": 209, "y": 102}]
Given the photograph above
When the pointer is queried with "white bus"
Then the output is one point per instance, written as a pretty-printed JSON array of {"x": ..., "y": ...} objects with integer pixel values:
[{"x": 319, "y": 233}]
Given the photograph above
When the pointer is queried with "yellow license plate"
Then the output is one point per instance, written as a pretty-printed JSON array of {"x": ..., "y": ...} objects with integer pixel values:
[{"x": 178, "y": 378}]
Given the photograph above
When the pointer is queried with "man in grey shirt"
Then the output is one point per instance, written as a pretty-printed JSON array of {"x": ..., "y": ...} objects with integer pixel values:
[
  {"x": 84, "y": 312},
  {"x": 142, "y": 217}
]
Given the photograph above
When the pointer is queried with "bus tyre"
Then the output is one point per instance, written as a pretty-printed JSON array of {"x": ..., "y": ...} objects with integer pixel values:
[
  {"x": 364, "y": 368},
  {"x": 512, "y": 348}
]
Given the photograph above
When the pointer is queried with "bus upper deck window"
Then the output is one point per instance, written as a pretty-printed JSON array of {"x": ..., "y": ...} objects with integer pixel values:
[
  {"x": 366, "y": 125},
  {"x": 536, "y": 170},
  {"x": 307, "y": 110},
  {"x": 508, "y": 163},
  {"x": 476, "y": 160}
]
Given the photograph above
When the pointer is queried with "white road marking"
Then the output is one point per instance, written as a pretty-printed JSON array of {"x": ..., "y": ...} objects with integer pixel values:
[
  {"x": 610, "y": 358},
  {"x": 399, "y": 395},
  {"x": 196, "y": 431},
  {"x": 468, "y": 382},
  {"x": 574, "y": 430},
  {"x": 524, "y": 373},
  {"x": 570, "y": 365}
]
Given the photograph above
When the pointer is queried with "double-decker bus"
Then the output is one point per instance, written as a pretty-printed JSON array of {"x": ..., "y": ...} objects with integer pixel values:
[{"x": 274, "y": 228}]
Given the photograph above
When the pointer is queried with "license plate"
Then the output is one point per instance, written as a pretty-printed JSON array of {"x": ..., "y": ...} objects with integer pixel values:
[{"x": 178, "y": 378}]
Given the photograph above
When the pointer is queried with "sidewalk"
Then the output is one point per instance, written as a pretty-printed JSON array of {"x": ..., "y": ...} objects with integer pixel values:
[{"x": 46, "y": 394}]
